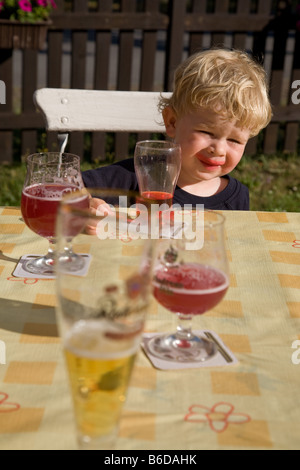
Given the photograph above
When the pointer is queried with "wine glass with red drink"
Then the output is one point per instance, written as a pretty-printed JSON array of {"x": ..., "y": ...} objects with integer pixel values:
[
  {"x": 157, "y": 165},
  {"x": 50, "y": 176},
  {"x": 190, "y": 278}
]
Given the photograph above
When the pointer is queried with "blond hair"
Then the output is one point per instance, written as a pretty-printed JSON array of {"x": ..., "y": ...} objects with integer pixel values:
[{"x": 228, "y": 81}]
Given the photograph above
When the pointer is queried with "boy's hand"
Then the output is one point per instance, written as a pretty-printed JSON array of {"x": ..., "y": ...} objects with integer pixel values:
[{"x": 97, "y": 207}]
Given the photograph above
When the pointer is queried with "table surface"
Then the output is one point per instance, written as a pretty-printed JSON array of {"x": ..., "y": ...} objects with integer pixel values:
[{"x": 254, "y": 404}]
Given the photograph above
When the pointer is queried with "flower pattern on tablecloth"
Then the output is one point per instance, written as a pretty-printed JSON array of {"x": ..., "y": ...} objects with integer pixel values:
[
  {"x": 218, "y": 417},
  {"x": 27, "y": 280},
  {"x": 296, "y": 244},
  {"x": 5, "y": 406}
]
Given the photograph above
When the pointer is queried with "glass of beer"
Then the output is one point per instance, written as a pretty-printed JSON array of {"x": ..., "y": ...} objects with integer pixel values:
[{"x": 101, "y": 313}]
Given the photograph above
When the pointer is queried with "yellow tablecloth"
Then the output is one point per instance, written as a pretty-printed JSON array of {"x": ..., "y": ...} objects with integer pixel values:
[{"x": 254, "y": 404}]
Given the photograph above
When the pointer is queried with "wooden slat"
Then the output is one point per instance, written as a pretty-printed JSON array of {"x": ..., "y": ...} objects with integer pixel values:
[
  {"x": 175, "y": 40},
  {"x": 29, "y": 138},
  {"x": 259, "y": 47},
  {"x": 201, "y": 22},
  {"x": 54, "y": 56},
  {"x": 264, "y": 7},
  {"x": 271, "y": 134},
  {"x": 292, "y": 128},
  {"x": 225, "y": 22},
  {"x": 54, "y": 74},
  {"x": 10, "y": 121},
  {"x": 79, "y": 45},
  {"x": 6, "y": 138},
  {"x": 260, "y": 36},
  {"x": 291, "y": 137},
  {"x": 124, "y": 20},
  {"x": 59, "y": 7},
  {"x": 280, "y": 26},
  {"x": 196, "y": 37},
  {"x": 218, "y": 37},
  {"x": 54, "y": 62},
  {"x": 126, "y": 42},
  {"x": 101, "y": 75},
  {"x": 251, "y": 147},
  {"x": 149, "y": 49},
  {"x": 239, "y": 39},
  {"x": 239, "y": 42}
]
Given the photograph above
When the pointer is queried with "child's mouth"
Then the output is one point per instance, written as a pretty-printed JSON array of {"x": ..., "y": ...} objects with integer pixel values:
[{"x": 211, "y": 164}]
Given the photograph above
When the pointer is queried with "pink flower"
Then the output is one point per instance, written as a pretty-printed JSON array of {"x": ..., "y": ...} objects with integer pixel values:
[
  {"x": 45, "y": 3},
  {"x": 1, "y": 5},
  {"x": 25, "y": 5}
]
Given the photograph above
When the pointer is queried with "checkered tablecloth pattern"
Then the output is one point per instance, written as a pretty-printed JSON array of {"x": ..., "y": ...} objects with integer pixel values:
[{"x": 253, "y": 404}]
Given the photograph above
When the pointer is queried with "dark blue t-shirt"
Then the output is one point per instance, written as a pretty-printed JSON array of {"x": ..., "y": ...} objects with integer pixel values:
[{"x": 121, "y": 175}]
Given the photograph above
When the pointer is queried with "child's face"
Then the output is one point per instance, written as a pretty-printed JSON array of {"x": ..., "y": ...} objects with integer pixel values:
[{"x": 211, "y": 145}]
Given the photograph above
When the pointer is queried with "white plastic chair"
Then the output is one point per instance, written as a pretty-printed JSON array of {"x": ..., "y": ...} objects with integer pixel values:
[{"x": 67, "y": 110}]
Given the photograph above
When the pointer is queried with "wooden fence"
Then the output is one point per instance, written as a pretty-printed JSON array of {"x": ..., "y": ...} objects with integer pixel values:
[{"x": 137, "y": 45}]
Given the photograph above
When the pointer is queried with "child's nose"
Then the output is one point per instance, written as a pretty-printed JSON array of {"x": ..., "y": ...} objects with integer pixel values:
[{"x": 217, "y": 149}]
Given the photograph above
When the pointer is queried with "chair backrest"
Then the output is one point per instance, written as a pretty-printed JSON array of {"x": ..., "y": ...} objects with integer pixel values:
[{"x": 67, "y": 110}]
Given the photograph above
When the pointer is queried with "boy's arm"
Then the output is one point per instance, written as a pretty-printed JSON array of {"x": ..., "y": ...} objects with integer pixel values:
[{"x": 120, "y": 175}]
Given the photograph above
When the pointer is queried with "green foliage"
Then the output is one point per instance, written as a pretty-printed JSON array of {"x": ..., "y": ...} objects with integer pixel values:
[
  {"x": 26, "y": 11},
  {"x": 273, "y": 182},
  {"x": 11, "y": 183}
]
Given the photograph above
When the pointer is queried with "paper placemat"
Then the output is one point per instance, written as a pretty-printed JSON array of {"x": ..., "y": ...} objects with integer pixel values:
[
  {"x": 21, "y": 271},
  {"x": 223, "y": 356}
]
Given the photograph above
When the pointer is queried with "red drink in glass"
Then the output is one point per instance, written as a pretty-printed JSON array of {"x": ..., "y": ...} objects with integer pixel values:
[
  {"x": 39, "y": 206},
  {"x": 159, "y": 197},
  {"x": 190, "y": 289}
]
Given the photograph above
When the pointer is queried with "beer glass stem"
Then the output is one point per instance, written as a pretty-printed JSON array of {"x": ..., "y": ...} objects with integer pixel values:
[{"x": 184, "y": 330}]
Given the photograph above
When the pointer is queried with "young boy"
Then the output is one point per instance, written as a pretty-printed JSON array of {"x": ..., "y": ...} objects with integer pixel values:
[{"x": 220, "y": 100}]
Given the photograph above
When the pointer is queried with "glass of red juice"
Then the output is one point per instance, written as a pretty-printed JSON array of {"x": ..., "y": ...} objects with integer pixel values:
[
  {"x": 190, "y": 277},
  {"x": 157, "y": 166},
  {"x": 51, "y": 176}
]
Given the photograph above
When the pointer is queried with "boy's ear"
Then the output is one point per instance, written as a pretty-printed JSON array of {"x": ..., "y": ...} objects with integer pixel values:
[{"x": 170, "y": 119}]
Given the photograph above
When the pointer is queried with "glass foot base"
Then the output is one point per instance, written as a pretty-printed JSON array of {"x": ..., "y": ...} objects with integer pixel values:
[
  {"x": 180, "y": 349},
  {"x": 45, "y": 265},
  {"x": 107, "y": 442},
  {"x": 71, "y": 262}
]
